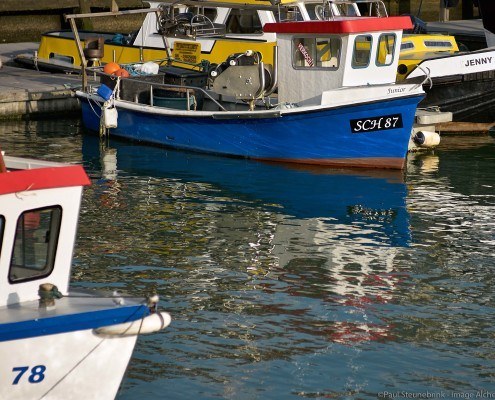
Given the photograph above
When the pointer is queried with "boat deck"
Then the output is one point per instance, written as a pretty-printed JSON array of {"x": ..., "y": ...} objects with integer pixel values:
[{"x": 80, "y": 310}]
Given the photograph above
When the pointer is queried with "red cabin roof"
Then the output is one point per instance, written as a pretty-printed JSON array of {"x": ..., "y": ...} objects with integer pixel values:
[
  {"x": 355, "y": 25},
  {"x": 42, "y": 178}
]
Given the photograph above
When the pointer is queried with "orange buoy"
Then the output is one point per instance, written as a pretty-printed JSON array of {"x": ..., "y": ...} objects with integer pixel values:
[
  {"x": 111, "y": 68},
  {"x": 122, "y": 73}
]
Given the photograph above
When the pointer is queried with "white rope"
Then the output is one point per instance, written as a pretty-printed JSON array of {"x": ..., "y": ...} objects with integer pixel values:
[{"x": 90, "y": 352}]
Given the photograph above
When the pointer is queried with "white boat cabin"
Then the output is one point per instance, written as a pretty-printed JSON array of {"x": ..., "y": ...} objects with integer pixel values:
[
  {"x": 191, "y": 19},
  {"x": 181, "y": 21},
  {"x": 39, "y": 209},
  {"x": 324, "y": 55}
]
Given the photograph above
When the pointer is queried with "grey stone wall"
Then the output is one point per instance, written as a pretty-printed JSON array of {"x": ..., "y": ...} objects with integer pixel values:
[{"x": 26, "y": 20}]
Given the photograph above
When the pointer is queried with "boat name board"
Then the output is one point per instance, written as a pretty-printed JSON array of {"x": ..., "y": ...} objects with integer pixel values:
[
  {"x": 478, "y": 61},
  {"x": 381, "y": 123}
]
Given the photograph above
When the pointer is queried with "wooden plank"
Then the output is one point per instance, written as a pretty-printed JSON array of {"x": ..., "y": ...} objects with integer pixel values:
[{"x": 464, "y": 127}]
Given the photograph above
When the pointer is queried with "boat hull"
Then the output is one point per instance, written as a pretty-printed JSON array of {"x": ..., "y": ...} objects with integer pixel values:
[
  {"x": 316, "y": 136},
  {"x": 77, "y": 348},
  {"x": 70, "y": 365}
]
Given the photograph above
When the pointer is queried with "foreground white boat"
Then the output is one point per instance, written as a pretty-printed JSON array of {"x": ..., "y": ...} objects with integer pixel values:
[{"x": 56, "y": 343}]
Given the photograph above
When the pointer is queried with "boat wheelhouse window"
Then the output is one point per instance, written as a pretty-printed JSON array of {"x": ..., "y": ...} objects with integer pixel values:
[
  {"x": 349, "y": 10},
  {"x": 318, "y": 11},
  {"x": 406, "y": 46},
  {"x": 362, "y": 51},
  {"x": 386, "y": 47},
  {"x": 286, "y": 14},
  {"x": 438, "y": 43},
  {"x": 373, "y": 9},
  {"x": 243, "y": 21},
  {"x": 208, "y": 12},
  {"x": 61, "y": 57},
  {"x": 316, "y": 52},
  {"x": 35, "y": 244}
]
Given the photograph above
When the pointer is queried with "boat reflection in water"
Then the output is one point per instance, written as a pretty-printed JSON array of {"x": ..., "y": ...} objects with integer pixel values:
[{"x": 314, "y": 232}]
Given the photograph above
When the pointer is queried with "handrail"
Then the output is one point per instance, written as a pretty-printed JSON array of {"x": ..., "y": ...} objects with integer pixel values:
[
  {"x": 380, "y": 6},
  {"x": 155, "y": 85},
  {"x": 110, "y": 13},
  {"x": 427, "y": 78}
]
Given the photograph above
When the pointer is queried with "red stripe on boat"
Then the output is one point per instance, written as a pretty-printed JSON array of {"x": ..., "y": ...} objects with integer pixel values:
[
  {"x": 42, "y": 178},
  {"x": 356, "y": 25}
]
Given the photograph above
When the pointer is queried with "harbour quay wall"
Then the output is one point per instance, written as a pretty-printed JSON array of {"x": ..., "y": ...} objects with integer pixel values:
[
  {"x": 27, "y": 20},
  {"x": 429, "y": 11},
  {"x": 29, "y": 94}
]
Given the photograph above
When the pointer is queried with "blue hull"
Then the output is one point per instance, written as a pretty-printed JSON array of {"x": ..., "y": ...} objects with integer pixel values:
[
  {"x": 323, "y": 137},
  {"x": 41, "y": 325}
]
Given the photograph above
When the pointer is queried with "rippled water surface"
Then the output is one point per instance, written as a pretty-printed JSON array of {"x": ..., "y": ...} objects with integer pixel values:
[{"x": 291, "y": 283}]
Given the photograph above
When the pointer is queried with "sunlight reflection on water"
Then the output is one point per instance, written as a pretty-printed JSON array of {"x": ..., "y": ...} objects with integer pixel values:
[{"x": 290, "y": 283}]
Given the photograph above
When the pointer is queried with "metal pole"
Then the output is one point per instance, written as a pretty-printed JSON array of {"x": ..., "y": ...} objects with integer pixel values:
[
  {"x": 84, "y": 62},
  {"x": 444, "y": 12},
  {"x": 110, "y": 14},
  {"x": 113, "y": 6},
  {"x": 165, "y": 40},
  {"x": 71, "y": 18}
]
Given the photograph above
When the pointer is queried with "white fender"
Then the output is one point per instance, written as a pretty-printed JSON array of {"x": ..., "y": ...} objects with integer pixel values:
[
  {"x": 426, "y": 139},
  {"x": 151, "y": 323},
  {"x": 110, "y": 116}
]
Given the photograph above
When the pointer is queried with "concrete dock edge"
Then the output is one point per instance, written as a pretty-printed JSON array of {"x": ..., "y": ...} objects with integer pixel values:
[{"x": 26, "y": 93}]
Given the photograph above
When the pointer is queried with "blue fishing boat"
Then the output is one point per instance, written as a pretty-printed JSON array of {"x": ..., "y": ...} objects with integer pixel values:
[
  {"x": 55, "y": 342},
  {"x": 330, "y": 98}
]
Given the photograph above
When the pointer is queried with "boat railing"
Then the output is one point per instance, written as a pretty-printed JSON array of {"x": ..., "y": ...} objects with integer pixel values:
[
  {"x": 186, "y": 24},
  {"x": 153, "y": 90},
  {"x": 352, "y": 8}
]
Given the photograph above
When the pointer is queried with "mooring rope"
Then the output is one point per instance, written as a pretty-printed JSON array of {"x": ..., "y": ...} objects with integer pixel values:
[{"x": 91, "y": 352}]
